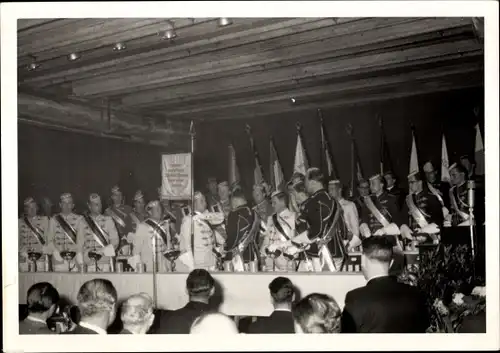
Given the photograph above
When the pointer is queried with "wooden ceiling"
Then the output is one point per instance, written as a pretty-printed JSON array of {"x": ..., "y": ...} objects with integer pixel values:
[{"x": 253, "y": 67}]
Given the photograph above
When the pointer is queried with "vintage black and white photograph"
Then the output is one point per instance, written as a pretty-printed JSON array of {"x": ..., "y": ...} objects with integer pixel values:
[{"x": 251, "y": 174}]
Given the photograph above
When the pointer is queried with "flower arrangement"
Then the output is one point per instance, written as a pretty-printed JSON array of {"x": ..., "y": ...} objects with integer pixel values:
[{"x": 446, "y": 276}]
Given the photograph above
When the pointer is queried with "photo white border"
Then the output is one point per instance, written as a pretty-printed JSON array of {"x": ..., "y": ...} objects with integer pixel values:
[{"x": 10, "y": 12}]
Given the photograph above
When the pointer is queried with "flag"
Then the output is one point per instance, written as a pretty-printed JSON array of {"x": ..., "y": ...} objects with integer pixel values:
[
  {"x": 479, "y": 152},
  {"x": 327, "y": 159},
  {"x": 234, "y": 175},
  {"x": 300, "y": 165},
  {"x": 445, "y": 163},
  {"x": 413, "y": 156},
  {"x": 277, "y": 177},
  {"x": 258, "y": 173}
]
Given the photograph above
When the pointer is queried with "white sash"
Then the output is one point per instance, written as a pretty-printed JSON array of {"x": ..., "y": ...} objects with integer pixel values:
[
  {"x": 415, "y": 212},
  {"x": 454, "y": 204},
  {"x": 375, "y": 211}
]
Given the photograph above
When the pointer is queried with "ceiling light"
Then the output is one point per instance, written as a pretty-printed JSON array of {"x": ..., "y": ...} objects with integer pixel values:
[
  {"x": 223, "y": 22},
  {"x": 33, "y": 65},
  {"x": 119, "y": 47},
  {"x": 74, "y": 56},
  {"x": 293, "y": 100},
  {"x": 169, "y": 32}
]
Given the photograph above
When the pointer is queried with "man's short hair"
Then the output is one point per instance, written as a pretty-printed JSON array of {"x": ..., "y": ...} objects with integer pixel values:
[
  {"x": 282, "y": 196},
  {"x": 300, "y": 187},
  {"x": 282, "y": 290},
  {"x": 41, "y": 296},
  {"x": 199, "y": 283},
  {"x": 315, "y": 174},
  {"x": 96, "y": 296},
  {"x": 136, "y": 309},
  {"x": 238, "y": 194},
  {"x": 460, "y": 168},
  {"x": 418, "y": 176},
  {"x": 378, "y": 248}
]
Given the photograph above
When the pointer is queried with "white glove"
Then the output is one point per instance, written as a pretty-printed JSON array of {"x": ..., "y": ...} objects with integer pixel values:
[
  {"x": 379, "y": 232},
  {"x": 57, "y": 255},
  {"x": 364, "y": 230},
  {"x": 447, "y": 224},
  {"x": 109, "y": 251},
  {"x": 392, "y": 229},
  {"x": 47, "y": 249},
  {"x": 430, "y": 229},
  {"x": 187, "y": 259},
  {"x": 272, "y": 247},
  {"x": 292, "y": 250},
  {"x": 445, "y": 212},
  {"x": 406, "y": 232},
  {"x": 133, "y": 261},
  {"x": 130, "y": 237}
]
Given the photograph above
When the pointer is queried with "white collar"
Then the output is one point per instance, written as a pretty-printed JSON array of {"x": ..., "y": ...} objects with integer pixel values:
[
  {"x": 284, "y": 212},
  {"x": 35, "y": 319},
  {"x": 282, "y": 309},
  {"x": 93, "y": 328},
  {"x": 377, "y": 276}
]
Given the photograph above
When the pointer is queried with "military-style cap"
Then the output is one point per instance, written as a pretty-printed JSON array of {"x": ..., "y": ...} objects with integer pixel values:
[
  {"x": 28, "y": 201},
  {"x": 138, "y": 195},
  {"x": 361, "y": 182},
  {"x": 115, "y": 190},
  {"x": 412, "y": 174},
  {"x": 66, "y": 197},
  {"x": 277, "y": 192},
  {"x": 334, "y": 182},
  {"x": 94, "y": 197},
  {"x": 223, "y": 183},
  {"x": 259, "y": 186},
  {"x": 428, "y": 167},
  {"x": 453, "y": 166},
  {"x": 198, "y": 195},
  {"x": 389, "y": 172},
  {"x": 152, "y": 204},
  {"x": 376, "y": 176}
]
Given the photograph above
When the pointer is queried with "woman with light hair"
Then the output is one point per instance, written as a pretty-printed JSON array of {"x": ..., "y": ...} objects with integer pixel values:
[
  {"x": 317, "y": 313},
  {"x": 137, "y": 314}
]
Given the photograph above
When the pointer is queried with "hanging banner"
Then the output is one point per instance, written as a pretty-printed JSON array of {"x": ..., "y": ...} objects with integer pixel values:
[{"x": 176, "y": 176}]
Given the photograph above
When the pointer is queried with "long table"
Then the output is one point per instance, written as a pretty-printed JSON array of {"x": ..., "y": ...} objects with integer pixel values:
[{"x": 239, "y": 293}]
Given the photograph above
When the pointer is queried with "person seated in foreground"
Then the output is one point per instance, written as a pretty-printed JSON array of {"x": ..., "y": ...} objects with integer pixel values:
[
  {"x": 384, "y": 305},
  {"x": 200, "y": 286},
  {"x": 97, "y": 303},
  {"x": 280, "y": 321},
  {"x": 317, "y": 313},
  {"x": 214, "y": 323},
  {"x": 42, "y": 301},
  {"x": 137, "y": 314}
]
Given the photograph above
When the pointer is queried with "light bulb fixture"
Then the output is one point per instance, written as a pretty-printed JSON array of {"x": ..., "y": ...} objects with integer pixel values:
[
  {"x": 169, "y": 33},
  {"x": 74, "y": 56},
  {"x": 119, "y": 47},
  {"x": 224, "y": 21},
  {"x": 292, "y": 100},
  {"x": 33, "y": 65}
]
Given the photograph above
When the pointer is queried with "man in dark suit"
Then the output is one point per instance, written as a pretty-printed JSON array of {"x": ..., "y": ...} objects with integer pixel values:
[
  {"x": 392, "y": 188},
  {"x": 97, "y": 300},
  {"x": 383, "y": 305},
  {"x": 42, "y": 301},
  {"x": 137, "y": 314},
  {"x": 200, "y": 287},
  {"x": 281, "y": 320}
]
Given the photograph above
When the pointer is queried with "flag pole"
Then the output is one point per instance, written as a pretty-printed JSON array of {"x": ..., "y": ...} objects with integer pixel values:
[
  {"x": 382, "y": 142},
  {"x": 193, "y": 137},
  {"x": 353, "y": 163}
]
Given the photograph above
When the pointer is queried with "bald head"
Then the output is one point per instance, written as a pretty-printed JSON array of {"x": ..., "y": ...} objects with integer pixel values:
[
  {"x": 137, "y": 313},
  {"x": 214, "y": 323}
]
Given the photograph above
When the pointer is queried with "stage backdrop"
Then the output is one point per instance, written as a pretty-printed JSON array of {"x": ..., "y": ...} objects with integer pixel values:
[{"x": 451, "y": 112}]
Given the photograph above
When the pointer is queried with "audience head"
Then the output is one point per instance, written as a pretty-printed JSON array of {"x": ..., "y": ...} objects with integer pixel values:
[
  {"x": 258, "y": 193},
  {"x": 279, "y": 201},
  {"x": 214, "y": 323},
  {"x": 137, "y": 313},
  {"x": 415, "y": 182},
  {"x": 314, "y": 180},
  {"x": 42, "y": 300},
  {"x": 377, "y": 256},
  {"x": 212, "y": 186},
  {"x": 335, "y": 189},
  {"x": 116, "y": 195},
  {"x": 66, "y": 204},
  {"x": 282, "y": 292},
  {"x": 30, "y": 207},
  {"x": 238, "y": 199},
  {"x": 94, "y": 204},
  {"x": 299, "y": 192},
  {"x": 223, "y": 189},
  {"x": 97, "y": 302},
  {"x": 466, "y": 162},
  {"x": 139, "y": 202},
  {"x": 200, "y": 202},
  {"x": 317, "y": 313},
  {"x": 390, "y": 179},
  {"x": 155, "y": 210},
  {"x": 200, "y": 285},
  {"x": 458, "y": 174},
  {"x": 431, "y": 174},
  {"x": 364, "y": 188},
  {"x": 376, "y": 184}
]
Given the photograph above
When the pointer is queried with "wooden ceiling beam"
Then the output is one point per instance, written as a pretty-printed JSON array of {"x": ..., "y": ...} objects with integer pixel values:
[
  {"x": 147, "y": 50},
  {"x": 304, "y": 93},
  {"x": 27, "y": 28},
  {"x": 323, "y": 49},
  {"x": 289, "y": 75}
]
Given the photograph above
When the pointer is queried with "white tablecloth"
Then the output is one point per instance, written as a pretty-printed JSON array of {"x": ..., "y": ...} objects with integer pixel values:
[{"x": 241, "y": 293}]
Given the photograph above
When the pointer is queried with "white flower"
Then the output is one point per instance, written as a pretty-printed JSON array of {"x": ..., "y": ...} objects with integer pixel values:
[
  {"x": 458, "y": 298},
  {"x": 441, "y": 308},
  {"x": 479, "y": 291}
]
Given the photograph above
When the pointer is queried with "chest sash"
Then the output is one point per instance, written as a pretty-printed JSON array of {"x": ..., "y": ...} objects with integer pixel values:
[
  {"x": 158, "y": 230},
  {"x": 375, "y": 211},
  {"x": 250, "y": 231},
  {"x": 454, "y": 204},
  {"x": 415, "y": 212},
  {"x": 278, "y": 226},
  {"x": 37, "y": 232},
  {"x": 69, "y": 231},
  {"x": 99, "y": 234},
  {"x": 116, "y": 218}
]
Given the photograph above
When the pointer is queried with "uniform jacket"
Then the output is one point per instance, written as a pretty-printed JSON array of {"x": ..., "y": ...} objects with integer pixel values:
[
  {"x": 30, "y": 327},
  {"x": 88, "y": 242},
  {"x": 179, "y": 321},
  {"x": 28, "y": 240},
  {"x": 238, "y": 223},
  {"x": 385, "y": 306},
  {"x": 57, "y": 237},
  {"x": 279, "y": 321},
  {"x": 429, "y": 206},
  {"x": 387, "y": 204},
  {"x": 122, "y": 212},
  {"x": 286, "y": 220}
]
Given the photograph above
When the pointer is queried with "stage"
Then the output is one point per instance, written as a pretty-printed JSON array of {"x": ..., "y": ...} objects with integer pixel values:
[{"x": 244, "y": 294}]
